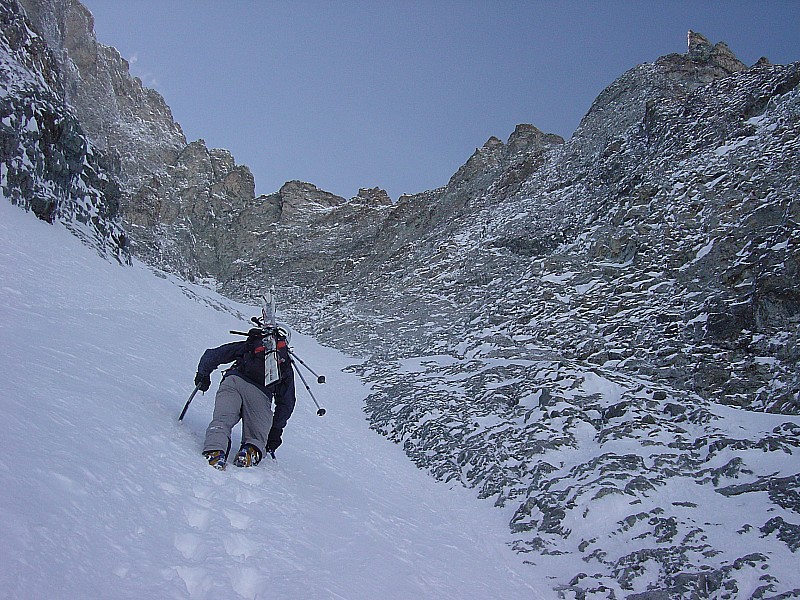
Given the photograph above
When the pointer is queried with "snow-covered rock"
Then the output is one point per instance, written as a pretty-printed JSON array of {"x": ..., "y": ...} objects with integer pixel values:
[
  {"x": 577, "y": 328},
  {"x": 47, "y": 164}
]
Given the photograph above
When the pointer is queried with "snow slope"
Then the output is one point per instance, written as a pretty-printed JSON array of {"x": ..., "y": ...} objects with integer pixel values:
[{"x": 105, "y": 495}]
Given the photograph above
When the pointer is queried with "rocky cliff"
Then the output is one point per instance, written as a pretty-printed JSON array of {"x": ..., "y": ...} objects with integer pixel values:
[
  {"x": 178, "y": 200},
  {"x": 660, "y": 239},
  {"x": 47, "y": 164},
  {"x": 562, "y": 325},
  {"x": 130, "y": 123}
]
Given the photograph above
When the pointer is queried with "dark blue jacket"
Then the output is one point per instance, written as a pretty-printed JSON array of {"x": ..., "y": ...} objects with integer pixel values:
[{"x": 250, "y": 367}]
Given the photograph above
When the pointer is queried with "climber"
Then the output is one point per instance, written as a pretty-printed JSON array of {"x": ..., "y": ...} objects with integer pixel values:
[{"x": 243, "y": 395}]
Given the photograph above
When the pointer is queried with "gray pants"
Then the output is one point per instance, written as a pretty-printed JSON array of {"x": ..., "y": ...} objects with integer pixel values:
[{"x": 236, "y": 399}]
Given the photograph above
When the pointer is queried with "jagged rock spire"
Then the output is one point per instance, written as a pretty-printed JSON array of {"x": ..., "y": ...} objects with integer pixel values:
[
  {"x": 699, "y": 46},
  {"x": 719, "y": 55}
]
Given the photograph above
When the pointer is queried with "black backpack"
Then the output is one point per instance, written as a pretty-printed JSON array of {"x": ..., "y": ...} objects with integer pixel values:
[{"x": 251, "y": 362}]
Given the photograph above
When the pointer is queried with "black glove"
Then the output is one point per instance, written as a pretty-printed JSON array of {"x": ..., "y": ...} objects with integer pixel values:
[
  {"x": 203, "y": 382},
  {"x": 274, "y": 439},
  {"x": 256, "y": 332}
]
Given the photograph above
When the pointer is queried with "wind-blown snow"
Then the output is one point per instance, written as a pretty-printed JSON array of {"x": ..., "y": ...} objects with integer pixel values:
[{"x": 105, "y": 495}]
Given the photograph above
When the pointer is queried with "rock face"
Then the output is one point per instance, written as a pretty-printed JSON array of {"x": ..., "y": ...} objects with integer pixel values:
[
  {"x": 562, "y": 325},
  {"x": 130, "y": 123},
  {"x": 46, "y": 163},
  {"x": 600, "y": 334},
  {"x": 660, "y": 239},
  {"x": 178, "y": 200},
  {"x": 718, "y": 56},
  {"x": 302, "y": 238}
]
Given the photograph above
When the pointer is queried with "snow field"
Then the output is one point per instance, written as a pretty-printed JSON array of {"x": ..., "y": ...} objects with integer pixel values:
[{"x": 105, "y": 495}]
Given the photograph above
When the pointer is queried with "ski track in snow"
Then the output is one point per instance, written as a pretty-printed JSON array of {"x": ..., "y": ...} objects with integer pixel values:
[{"x": 106, "y": 495}]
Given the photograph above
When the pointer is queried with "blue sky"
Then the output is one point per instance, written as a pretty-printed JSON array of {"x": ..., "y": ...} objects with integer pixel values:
[{"x": 398, "y": 94}]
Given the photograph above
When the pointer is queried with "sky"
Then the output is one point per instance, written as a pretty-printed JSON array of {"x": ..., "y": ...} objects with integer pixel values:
[{"x": 398, "y": 94}]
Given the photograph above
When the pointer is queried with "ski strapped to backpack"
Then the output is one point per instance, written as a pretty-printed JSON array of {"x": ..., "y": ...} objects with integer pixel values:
[
  {"x": 271, "y": 373},
  {"x": 269, "y": 325},
  {"x": 320, "y": 378}
]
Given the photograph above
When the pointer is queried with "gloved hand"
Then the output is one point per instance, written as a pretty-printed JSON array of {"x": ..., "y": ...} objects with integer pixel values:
[
  {"x": 255, "y": 332},
  {"x": 274, "y": 439},
  {"x": 203, "y": 382}
]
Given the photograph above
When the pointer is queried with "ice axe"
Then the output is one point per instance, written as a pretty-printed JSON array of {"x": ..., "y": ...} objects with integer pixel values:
[{"x": 188, "y": 402}]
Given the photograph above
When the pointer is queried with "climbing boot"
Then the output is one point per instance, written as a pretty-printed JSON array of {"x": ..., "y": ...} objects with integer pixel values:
[
  {"x": 215, "y": 458},
  {"x": 248, "y": 456}
]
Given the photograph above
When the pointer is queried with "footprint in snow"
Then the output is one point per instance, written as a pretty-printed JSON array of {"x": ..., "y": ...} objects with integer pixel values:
[
  {"x": 198, "y": 580},
  {"x": 188, "y": 544},
  {"x": 237, "y": 520},
  {"x": 197, "y": 517},
  {"x": 240, "y": 545},
  {"x": 249, "y": 582}
]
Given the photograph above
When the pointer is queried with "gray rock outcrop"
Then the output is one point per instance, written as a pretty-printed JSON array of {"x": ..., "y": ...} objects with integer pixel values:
[
  {"x": 130, "y": 123},
  {"x": 47, "y": 165},
  {"x": 178, "y": 200}
]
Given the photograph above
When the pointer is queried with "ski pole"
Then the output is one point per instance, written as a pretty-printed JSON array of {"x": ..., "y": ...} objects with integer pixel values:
[
  {"x": 320, "y": 378},
  {"x": 188, "y": 402},
  {"x": 320, "y": 410}
]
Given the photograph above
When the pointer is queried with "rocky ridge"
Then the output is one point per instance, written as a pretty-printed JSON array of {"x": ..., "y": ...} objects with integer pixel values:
[
  {"x": 178, "y": 200},
  {"x": 694, "y": 195},
  {"x": 560, "y": 328}
]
